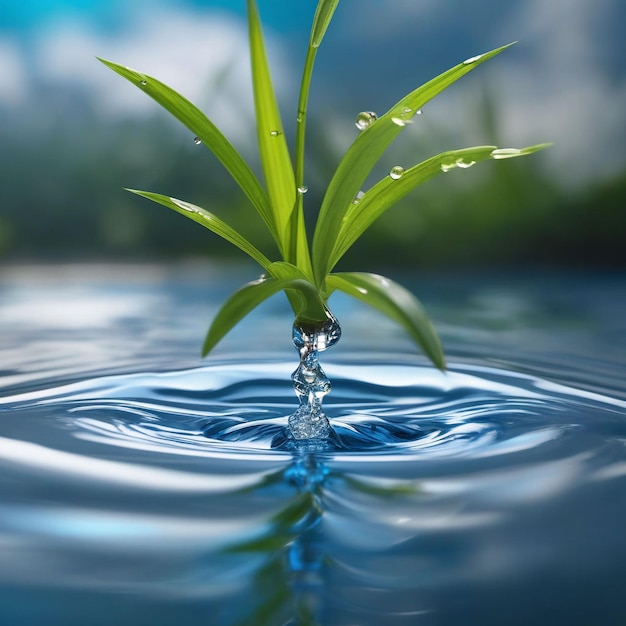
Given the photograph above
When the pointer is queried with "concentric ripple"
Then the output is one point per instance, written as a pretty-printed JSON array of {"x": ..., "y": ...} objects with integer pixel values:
[{"x": 379, "y": 411}]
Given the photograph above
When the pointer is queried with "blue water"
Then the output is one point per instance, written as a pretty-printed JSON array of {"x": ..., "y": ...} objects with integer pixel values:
[{"x": 139, "y": 485}]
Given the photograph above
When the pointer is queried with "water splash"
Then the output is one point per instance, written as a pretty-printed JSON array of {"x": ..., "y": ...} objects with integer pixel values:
[{"x": 309, "y": 381}]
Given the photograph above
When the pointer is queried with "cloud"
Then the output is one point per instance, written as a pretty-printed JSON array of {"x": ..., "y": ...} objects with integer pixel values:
[
  {"x": 564, "y": 91},
  {"x": 204, "y": 56},
  {"x": 13, "y": 83}
]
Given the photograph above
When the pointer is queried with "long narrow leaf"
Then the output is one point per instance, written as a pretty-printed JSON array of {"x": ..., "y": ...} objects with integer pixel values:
[
  {"x": 395, "y": 302},
  {"x": 305, "y": 299},
  {"x": 275, "y": 159},
  {"x": 208, "y": 220},
  {"x": 299, "y": 252},
  {"x": 238, "y": 305},
  {"x": 246, "y": 299},
  {"x": 206, "y": 131},
  {"x": 390, "y": 190},
  {"x": 366, "y": 150},
  {"x": 323, "y": 16}
]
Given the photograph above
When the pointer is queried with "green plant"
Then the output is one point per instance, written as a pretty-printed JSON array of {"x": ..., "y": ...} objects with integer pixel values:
[{"x": 305, "y": 272}]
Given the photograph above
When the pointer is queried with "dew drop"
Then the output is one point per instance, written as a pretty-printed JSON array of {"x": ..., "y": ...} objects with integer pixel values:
[
  {"x": 505, "y": 153},
  {"x": 365, "y": 119},
  {"x": 472, "y": 59},
  {"x": 144, "y": 83},
  {"x": 186, "y": 206},
  {"x": 446, "y": 167},
  {"x": 396, "y": 172},
  {"x": 358, "y": 197},
  {"x": 463, "y": 164},
  {"x": 302, "y": 190},
  {"x": 275, "y": 133},
  {"x": 405, "y": 117},
  {"x": 197, "y": 141}
]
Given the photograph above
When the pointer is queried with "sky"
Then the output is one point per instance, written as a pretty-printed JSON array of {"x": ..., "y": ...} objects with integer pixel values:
[{"x": 563, "y": 82}]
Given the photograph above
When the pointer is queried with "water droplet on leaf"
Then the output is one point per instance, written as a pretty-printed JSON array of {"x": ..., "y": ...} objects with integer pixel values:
[
  {"x": 275, "y": 133},
  {"x": 446, "y": 167},
  {"x": 303, "y": 189},
  {"x": 400, "y": 121},
  {"x": 365, "y": 119},
  {"x": 186, "y": 206},
  {"x": 505, "y": 153},
  {"x": 144, "y": 82},
  {"x": 197, "y": 141},
  {"x": 472, "y": 59},
  {"x": 405, "y": 117},
  {"x": 463, "y": 164},
  {"x": 358, "y": 197},
  {"x": 396, "y": 172}
]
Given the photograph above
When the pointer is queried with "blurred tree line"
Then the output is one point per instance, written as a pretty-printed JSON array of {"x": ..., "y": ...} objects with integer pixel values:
[{"x": 61, "y": 198}]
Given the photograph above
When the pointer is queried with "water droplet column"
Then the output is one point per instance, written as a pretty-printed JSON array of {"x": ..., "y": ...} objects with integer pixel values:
[{"x": 309, "y": 380}]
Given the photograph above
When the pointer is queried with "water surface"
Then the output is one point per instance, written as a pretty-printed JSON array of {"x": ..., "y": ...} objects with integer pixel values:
[{"x": 139, "y": 485}]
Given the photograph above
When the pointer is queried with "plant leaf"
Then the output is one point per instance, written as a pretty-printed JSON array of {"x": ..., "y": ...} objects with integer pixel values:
[
  {"x": 208, "y": 220},
  {"x": 395, "y": 302},
  {"x": 364, "y": 153},
  {"x": 308, "y": 304},
  {"x": 299, "y": 252},
  {"x": 389, "y": 191},
  {"x": 275, "y": 159},
  {"x": 323, "y": 16},
  {"x": 237, "y": 306},
  {"x": 204, "y": 129},
  {"x": 248, "y": 297}
]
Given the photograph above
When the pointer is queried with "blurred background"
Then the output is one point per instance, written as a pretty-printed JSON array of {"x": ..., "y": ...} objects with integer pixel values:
[{"x": 73, "y": 134}]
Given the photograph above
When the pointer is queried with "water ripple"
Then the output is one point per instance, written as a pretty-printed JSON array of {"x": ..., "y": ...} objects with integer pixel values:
[{"x": 379, "y": 412}]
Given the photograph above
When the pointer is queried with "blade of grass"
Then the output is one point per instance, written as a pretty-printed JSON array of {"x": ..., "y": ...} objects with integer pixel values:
[
  {"x": 395, "y": 302},
  {"x": 306, "y": 300},
  {"x": 275, "y": 159},
  {"x": 364, "y": 153},
  {"x": 323, "y": 16},
  {"x": 389, "y": 191},
  {"x": 208, "y": 220},
  {"x": 237, "y": 306},
  {"x": 252, "y": 294},
  {"x": 206, "y": 131},
  {"x": 300, "y": 245}
]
